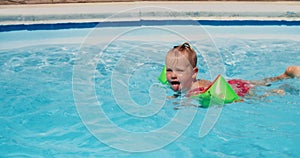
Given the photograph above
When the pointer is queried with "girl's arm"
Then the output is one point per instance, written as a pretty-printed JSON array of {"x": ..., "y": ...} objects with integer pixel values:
[{"x": 290, "y": 72}]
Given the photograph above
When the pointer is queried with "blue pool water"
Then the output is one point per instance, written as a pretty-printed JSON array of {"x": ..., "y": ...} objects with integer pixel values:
[{"x": 45, "y": 78}]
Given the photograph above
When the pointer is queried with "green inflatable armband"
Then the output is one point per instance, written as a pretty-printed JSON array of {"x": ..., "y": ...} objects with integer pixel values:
[
  {"x": 163, "y": 76},
  {"x": 218, "y": 93}
]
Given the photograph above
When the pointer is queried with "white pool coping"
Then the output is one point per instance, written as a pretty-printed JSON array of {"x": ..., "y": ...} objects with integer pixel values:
[{"x": 131, "y": 11}]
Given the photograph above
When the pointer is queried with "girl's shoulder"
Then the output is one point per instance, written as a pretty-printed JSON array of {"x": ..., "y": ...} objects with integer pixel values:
[
  {"x": 198, "y": 87},
  {"x": 203, "y": 83}
]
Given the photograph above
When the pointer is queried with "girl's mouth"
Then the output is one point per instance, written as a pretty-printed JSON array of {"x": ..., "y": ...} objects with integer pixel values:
[{"x": 175, "y": 85}]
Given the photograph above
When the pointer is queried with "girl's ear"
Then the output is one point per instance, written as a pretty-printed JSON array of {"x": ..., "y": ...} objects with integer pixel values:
[{"x": 195, "y": 72}]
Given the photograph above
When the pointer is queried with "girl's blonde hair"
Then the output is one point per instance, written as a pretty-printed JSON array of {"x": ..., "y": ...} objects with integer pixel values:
[{"x": 186, "y": 50}]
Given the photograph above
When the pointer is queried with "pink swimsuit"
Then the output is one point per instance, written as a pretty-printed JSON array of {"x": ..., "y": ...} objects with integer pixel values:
[{"x": 241, "y": 87}]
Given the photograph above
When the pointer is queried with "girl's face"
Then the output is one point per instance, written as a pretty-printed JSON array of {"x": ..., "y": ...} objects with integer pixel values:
[{"x": 180, "y": 73}]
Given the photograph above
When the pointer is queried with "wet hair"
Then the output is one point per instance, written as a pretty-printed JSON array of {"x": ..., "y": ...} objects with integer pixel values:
[{"x": 186, "y": 50}]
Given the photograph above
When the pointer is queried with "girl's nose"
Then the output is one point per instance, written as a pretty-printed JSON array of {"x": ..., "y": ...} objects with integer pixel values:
[{"x": 173, "y": 75}]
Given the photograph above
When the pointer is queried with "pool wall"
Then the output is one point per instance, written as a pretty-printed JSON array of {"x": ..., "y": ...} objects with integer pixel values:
[{"x": 142, "y": 10}]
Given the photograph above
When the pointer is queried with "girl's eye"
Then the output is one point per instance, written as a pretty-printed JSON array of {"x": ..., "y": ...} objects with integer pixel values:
[{"x": 169, "y": 70}]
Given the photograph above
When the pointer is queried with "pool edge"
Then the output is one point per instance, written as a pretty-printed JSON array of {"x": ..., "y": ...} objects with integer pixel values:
[{"x": 135, "y": 11}]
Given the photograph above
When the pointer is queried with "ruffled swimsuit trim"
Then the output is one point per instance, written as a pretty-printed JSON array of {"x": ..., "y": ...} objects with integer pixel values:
[{"x": 241, "y": 87}]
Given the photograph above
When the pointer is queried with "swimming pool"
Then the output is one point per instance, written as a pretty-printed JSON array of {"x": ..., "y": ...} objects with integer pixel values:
[{"x": 50, "y": 80}]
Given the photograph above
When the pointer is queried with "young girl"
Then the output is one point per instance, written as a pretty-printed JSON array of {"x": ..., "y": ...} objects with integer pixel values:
[{"x": 181, "y": 72}]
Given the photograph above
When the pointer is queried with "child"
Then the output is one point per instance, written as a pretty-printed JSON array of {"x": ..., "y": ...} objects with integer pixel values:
[{"x": 181, "y": 73}]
